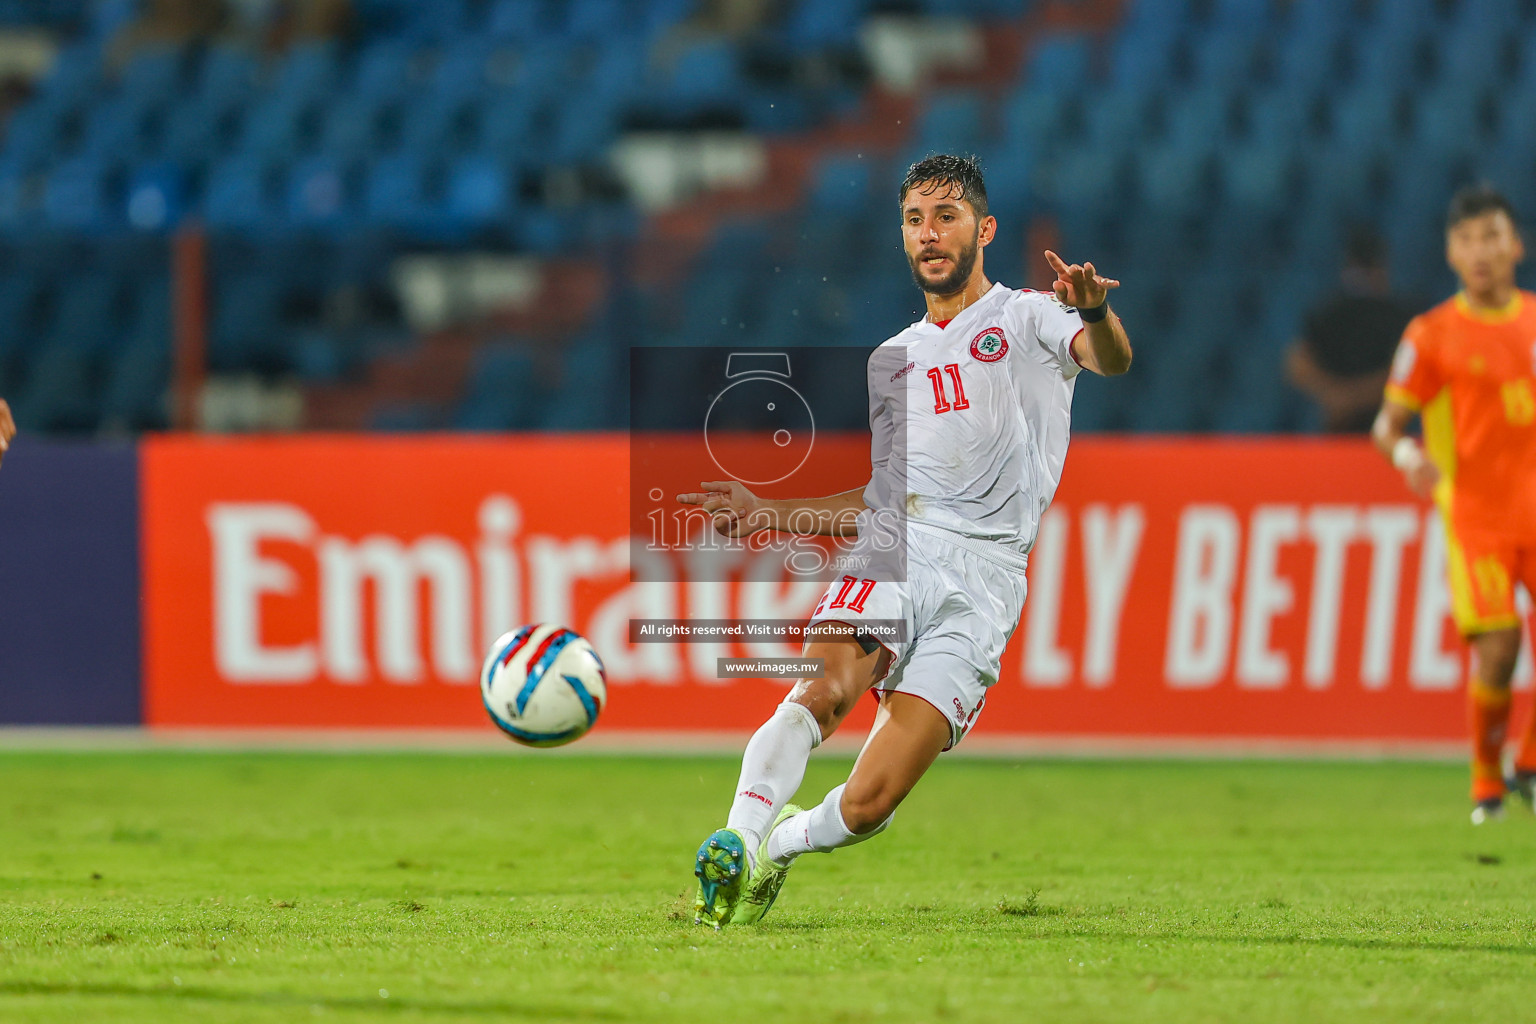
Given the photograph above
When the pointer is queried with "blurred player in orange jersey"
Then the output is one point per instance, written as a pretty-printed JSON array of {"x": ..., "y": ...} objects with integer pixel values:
[
  {"x": 7, "y": 428},
  {"x": 1467, "y": 368}
]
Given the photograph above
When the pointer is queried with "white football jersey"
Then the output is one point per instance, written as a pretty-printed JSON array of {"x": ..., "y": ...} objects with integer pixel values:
[{"x": 987, "y": 404}]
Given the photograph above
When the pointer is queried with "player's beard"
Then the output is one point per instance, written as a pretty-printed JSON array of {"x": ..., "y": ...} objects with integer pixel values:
[{"x": 955, "y": 280}]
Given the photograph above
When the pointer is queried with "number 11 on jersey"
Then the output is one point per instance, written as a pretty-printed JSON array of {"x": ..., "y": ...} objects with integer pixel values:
[{"x": 941, "y": 402}]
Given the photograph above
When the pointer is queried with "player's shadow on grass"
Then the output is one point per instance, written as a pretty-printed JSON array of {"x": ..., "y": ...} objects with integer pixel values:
[{"x": 196, "y": 993}]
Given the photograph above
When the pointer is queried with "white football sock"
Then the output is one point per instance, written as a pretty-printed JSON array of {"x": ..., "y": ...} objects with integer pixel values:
[
  {"x": 818, "y": 830},
  {"x": 772, "y": 768}
]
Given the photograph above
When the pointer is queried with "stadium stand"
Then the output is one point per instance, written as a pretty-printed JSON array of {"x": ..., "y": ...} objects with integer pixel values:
[{"x": 1223, "y": 142}]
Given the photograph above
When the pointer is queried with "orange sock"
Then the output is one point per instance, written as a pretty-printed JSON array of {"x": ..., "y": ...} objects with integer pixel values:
[{"x": 1489, "y": 714}]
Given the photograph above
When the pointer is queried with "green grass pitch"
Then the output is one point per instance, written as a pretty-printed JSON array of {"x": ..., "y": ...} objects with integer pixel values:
[{"x": 427, "y": 887}]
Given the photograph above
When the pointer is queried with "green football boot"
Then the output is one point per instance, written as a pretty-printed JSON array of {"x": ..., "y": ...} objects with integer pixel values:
[
  {"x": 763, "y": 881},
  {"x": 722, "y": 869}
]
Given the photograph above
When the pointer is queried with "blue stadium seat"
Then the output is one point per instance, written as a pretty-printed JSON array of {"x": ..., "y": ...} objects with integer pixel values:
[
  {"x": 660, "y": 15},
  {"x": 1258, "y": 178},
  {"x": 1308, "y": 66},
  {"x": 951, "y": 122},
  {"x": 582, "y": 130},
  {"x": 1035, "y": 119},
  {"x": 1498, "y": 16},
  {"x": 18, "y": 198},
  {"x": 1199, "y": 121},
  {"x": 349, "y": 128},
  {"x": 588, "y": 20},
  {"x": 319, "y": 192},
  {"x": 229, "y": 75},
  {"x": 503, "y": 392},
  {"x": 247, "y": 327},
  {"x": 504, "y": 126},
  {"x": 75, "y": 194},
  {"x": 1175, "y": 179},
  {"x": 59, "y": 396},
  {"x": 116, "y": 129},
  {"x": 1082, "y": 180},
  {"x": 478, "y": 191},
  {"x": 1120, "y": 118},
  {"x": 1158, "y": 16},
  {"x": 396, "y": 191},
  {"x": 137, "y": 380},
  {"x": 385, "y": 69},
  {"x": 274, "y": 128},
  {"x": 74, "y": 77},
  {"x": 1281, "y": 115},
  {"x": 1250, "y": 16},
  {"x": 193, "y": 133},
  {"x": 705, "y": 72},
  {"x": 841, "y": 182},
  {"x": 1060, "y": 63},
  {"x": 436, "y": 125},
  {"x": 463, "y": 69},
  {"x": 154, "y": 76},
  {"x": 33, "y": 133},
  {"x": 1396, "y": 23},
  {"x": 1472, "y": 57},
  {"x": 238, "y": 193},
  {"x": 88, "y": 312},
  {"x": 1365, "y": 121},
  {"x": 155, "y": 197},
  {"x": 1227, "y": 58},
  {"x": 1318, "y": 20},
  {"x": 591, "y": 368},
  {"x": 308, "y": 72},
  {"x": 1450, "y": 121},
  {"x": 1139, "y": 61},
  {"x": 22, "y": 296},
  {"x": 816, "y": 24},
  {"x": 1339, "y": 178}
]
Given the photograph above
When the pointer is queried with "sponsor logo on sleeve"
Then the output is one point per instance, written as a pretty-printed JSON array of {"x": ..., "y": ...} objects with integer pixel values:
[{"x": 990, "y": 345}]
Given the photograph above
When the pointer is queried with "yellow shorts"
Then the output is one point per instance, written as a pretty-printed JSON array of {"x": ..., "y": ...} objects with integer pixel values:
[{"x": 1483, "y": 569}]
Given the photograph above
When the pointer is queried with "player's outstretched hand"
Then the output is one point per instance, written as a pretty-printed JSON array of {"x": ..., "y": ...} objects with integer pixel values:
[
  {"x": 1079, "y": 285},
  {"x": 1422, "y": 476},
  {"x": 7, "y": 428},
  {"x": 736, "y": 511}
]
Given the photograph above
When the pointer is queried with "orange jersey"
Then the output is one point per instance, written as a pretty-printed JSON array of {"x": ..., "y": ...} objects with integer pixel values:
[{"x": 1471, "y": 374}]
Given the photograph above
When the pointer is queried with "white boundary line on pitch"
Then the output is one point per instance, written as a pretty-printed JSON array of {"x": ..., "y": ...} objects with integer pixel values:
[{"x": 688, "y": 744}]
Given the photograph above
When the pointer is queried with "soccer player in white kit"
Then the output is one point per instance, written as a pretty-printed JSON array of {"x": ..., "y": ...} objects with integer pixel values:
[{"x": 983, "y": 385}]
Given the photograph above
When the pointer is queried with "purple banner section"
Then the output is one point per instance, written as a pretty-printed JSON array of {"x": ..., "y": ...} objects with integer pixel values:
[{"x": 69, "y": 584}]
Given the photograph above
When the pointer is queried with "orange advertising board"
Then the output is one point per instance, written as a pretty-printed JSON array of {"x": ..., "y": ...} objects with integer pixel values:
[{"x": 1286, "y": 589}]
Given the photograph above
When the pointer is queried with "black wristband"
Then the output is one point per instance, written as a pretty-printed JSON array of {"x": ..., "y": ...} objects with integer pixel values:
[{"x": 1093, "y": 314}]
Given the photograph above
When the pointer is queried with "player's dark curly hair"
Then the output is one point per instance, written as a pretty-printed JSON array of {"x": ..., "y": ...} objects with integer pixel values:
[
  {"x": 1476, "y": 200},
  {"x": 959, "y": 173}
]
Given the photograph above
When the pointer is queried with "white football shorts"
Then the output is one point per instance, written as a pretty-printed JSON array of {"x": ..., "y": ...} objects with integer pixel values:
[{"x": 959, "y": 609}]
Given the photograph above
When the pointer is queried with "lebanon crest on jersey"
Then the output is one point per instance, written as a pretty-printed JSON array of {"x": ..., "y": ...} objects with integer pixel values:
[{"x": 990, "y": 345}]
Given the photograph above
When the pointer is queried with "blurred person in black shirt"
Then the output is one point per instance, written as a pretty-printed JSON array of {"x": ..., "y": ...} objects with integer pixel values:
[{"x": 1347, "y": 341}]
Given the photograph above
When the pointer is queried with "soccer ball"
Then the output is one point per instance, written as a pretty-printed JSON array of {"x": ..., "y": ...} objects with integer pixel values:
[{"x": 543, "y": 685}]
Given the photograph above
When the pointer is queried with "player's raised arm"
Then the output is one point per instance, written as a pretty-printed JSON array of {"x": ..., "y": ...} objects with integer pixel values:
[
  {"x": 1390, "y": 434},
  {"x": 1103, "y": 347},
  {"x": 737, "y": 512}
]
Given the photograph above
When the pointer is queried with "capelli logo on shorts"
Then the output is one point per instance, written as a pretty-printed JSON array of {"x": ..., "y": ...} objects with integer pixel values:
[
  {"x": 959, "y": 710},
  {"x": 990, "y": 345}
]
